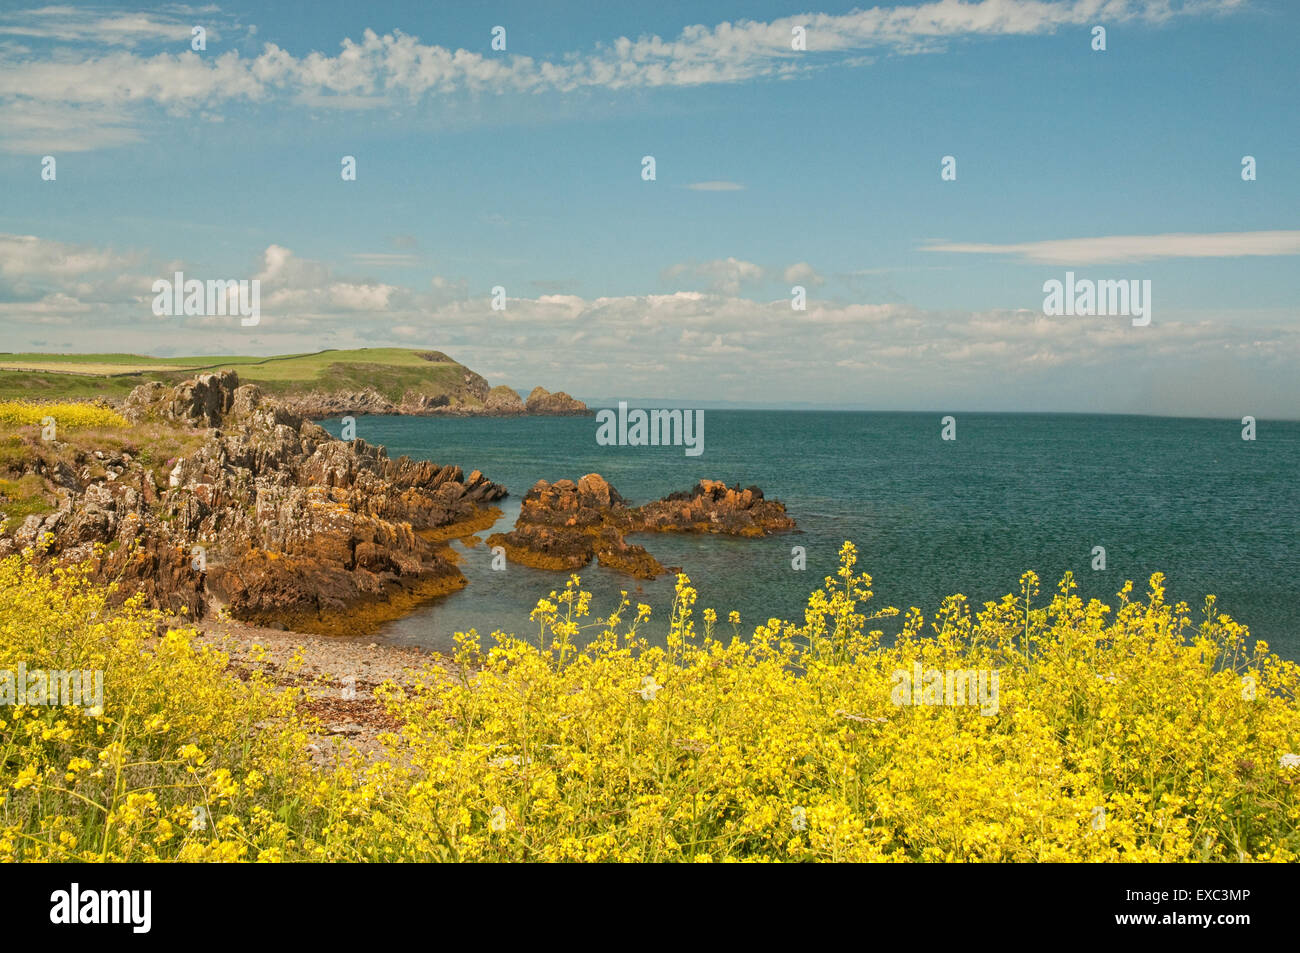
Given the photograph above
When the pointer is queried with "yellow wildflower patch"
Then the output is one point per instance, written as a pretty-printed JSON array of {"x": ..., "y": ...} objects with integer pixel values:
[
  {"x": 1120, "y": 732},
  {"x": 66, "y": 416}
]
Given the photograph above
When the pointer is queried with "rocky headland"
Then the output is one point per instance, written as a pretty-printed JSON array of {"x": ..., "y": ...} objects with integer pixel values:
[
  {"x": 326, "y": 383},
  {"x": 479, "y": 400},
  {"x": 264, "y": 515},
  {"x": 565, "y": 525}
]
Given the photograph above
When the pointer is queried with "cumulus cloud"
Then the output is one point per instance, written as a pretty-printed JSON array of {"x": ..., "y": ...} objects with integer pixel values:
[
  {"x": 57, "y": 308},
  {"x": 44, "y": 281},
  {"x": 802, "y": 273},
  {"x": 30, "y": 257},
  {"x": 730, "y": 275},
  {"x": 445, "y": 289},
  {"x": 722, "y": 274},
  {"x": 688, "y": 343},
  {"x": 298, "y": 289}
]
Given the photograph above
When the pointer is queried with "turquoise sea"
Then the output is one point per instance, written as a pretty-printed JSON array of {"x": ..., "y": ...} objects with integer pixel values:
[{"x": 1187, "y": 497}]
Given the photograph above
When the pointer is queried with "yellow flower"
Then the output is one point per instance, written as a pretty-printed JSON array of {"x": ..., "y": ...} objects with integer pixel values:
[{"x": 25, "y": 777}]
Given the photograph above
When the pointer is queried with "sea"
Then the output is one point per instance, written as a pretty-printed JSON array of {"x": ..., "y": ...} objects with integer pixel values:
[{"x": 930, "y": 517}]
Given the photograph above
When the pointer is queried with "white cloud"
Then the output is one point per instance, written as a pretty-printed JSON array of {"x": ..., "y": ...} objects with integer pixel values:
[
  {"x": 299, "y": 289},
  {"x": 446, "y": 289},
  {"x": 29, "y": 257},
  {"x": 802, "y": 273},
  {"x": 382, "y": 71},
  {"x": 723, "y": 274},
  {"x": 68, "y": 24},
  {"x": 40, "y": 128},
  {"x": 716, "y": 187},
  {"x": 1114, "y": 249},
  {"x": 689, "y": 343},
  {"x": 730, "y": 275},
  {"x": 386, "y": 259},
  {"x": 55, "y": 308}
]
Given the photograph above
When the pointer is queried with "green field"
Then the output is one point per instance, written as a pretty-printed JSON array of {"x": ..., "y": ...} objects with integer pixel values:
[{"x": 393, "y": 372}]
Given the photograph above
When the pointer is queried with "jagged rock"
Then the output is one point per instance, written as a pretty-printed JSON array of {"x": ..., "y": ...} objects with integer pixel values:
[
  {"x": 504, "y": 401},
  {"x": 199, "y": 402},
  {"x": 468, "y": 396},
  {"x": 339, "y": 403},
  {"x": 64, "y": 476},
  {"x": 473, "y": 398},
  {"x": 541, "y": 401},
  {"x": 713, "y": 507},
  {"x": 269, "y": 517},
  {"x": 564, "y": 525}
]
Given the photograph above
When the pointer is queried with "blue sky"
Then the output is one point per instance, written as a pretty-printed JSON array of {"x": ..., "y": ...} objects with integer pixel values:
[{"x": 522, "y": 168}]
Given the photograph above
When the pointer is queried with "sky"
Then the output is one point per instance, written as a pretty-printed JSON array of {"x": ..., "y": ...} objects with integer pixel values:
[{"x": 522, "y": 168}]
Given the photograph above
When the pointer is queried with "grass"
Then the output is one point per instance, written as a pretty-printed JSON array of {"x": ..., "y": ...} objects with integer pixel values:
[
  {"x": 36, "y": 385},
  {"x": 24, "y": 455},
  {"x": 123, "y": 361},
  {"x": 22, "y": 498},
  {"x": 393, "y": 372},
  {"x": 88, "y": 368}
]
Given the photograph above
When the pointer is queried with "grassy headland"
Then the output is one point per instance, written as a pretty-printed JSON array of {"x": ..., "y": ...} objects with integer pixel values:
[{"x": 393, "y": 372}]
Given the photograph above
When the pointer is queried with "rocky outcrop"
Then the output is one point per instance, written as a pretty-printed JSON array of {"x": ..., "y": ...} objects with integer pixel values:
[
  {"x": 504, "y": 401},
  {"x": 320, "y": 404},
  {"x": 712, "y": 507},
  {"x": 500, "y": 401},
  {"x": 201, "y": 402},
  {"x": 268, "y": 517},
  {"x": 559, "y": 404},
  {"x": 565, "y": 525}
]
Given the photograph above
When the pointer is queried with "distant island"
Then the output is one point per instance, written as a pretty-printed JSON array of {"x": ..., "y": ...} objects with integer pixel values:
[{"x": 330, "y": 383}]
